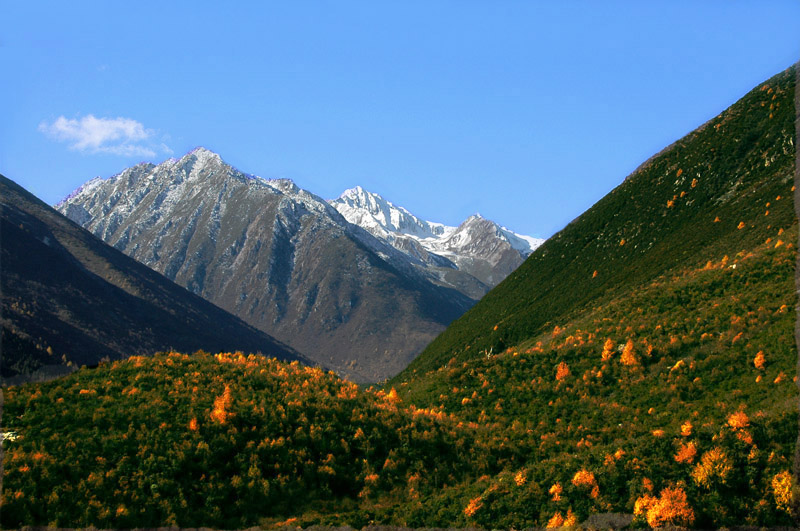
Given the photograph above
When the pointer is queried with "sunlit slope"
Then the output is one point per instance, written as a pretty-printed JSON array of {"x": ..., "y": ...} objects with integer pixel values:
[
  {"x": 661, "y": 217},
  {"x": 225, "y": 441},
  {"x": 685, "y": 385}
]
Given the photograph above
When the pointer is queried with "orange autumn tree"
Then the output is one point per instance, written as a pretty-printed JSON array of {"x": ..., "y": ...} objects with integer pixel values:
[
  {"x": 759, "y": 361},
  {"x": 628, "y": 357},
  {"x": 585, "y": 479},
  {"x": 557, "y": 520},
  {"x": 562, "y": 371},
  {"x": 220, "y": 412},
  {"x": 608, "y": 350},
  {"x": 686, "y": 453},
  {"x": 671, "y": 508}
]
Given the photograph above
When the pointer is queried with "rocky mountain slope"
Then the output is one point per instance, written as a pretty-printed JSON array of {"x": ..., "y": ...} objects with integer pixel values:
[
  {"x": 68, "y": 299},
  {"x": 279, "y": 257}
]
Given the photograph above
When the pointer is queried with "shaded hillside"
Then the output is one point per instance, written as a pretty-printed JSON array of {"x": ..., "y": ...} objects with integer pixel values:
[
  {"x": 278, "y": 257},
  {"x": 661, "y": 217},
  {"x": 68, "y": 298}
]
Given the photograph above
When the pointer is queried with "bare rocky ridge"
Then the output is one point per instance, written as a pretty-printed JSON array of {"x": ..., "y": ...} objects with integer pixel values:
[{"x": 289, "y": 263}]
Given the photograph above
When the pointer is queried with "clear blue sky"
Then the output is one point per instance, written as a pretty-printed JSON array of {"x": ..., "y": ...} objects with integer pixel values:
[{"x": 525, "y": 111}]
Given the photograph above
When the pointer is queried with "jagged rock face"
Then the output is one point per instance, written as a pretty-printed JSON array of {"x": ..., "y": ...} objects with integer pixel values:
[
  {"x": 478, "y": 248},
  {"x": 280, "y": 258}
]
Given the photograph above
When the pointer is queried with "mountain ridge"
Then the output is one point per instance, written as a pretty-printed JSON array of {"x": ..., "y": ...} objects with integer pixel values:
[
  {"x": 279, "y": 257},
  {"x": 478, "y": 246},
  {"x": 94, "y": 302}
]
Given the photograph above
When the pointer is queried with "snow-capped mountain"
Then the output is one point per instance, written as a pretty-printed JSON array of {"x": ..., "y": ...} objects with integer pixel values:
[
  {"x": 478, "y": 246},
  {"x": 279, "y": 257},
  {"x": 360, "y": 287}
]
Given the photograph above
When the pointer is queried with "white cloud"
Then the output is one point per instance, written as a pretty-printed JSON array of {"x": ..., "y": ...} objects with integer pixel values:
[{"x": 118, "y": 136}]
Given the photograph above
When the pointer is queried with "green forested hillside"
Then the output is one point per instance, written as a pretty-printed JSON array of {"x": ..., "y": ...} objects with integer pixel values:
[
  {"x": 661, "y": 217},
  {"x": 639, "y": 367},
  {"x": 224, "y": 441}
]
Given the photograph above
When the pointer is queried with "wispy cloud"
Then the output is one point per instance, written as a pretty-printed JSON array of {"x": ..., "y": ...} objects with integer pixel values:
[{"x": 118, "y": 136}]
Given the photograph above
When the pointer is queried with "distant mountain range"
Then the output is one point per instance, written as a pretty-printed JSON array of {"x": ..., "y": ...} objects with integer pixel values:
[
  {"x": 478, "y": 246},
  {"x": 70, "y": 300},
  {"x": 357, "y": 284}
]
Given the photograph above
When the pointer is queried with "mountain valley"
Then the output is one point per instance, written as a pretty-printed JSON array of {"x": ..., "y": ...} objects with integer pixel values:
[{"x": 638, "y": 369}]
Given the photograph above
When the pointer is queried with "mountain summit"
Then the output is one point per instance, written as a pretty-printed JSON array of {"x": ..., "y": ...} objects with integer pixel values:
[
  {"x": 69, "y": 300},
  {"x": 357, "y": 297},
  {"x": 478, "y": 247}
]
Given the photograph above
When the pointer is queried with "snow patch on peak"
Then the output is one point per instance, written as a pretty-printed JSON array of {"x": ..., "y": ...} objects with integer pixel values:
[
  {"x": 200, "y": 151},
  {"x": 381, "y": 217},
  {"x": 476, "y": 240},
  {"x": 84, "y": 188},
  {"x": 287, "y": 186}
]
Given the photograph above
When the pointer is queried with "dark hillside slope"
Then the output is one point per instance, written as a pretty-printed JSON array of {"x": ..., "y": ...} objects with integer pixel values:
[
  {"x": 661, "y": 217},
  {"x": 70, "y": 299}
]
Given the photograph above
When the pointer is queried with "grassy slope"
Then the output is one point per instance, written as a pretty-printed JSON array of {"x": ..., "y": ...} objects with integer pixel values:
[
  {"x": 687, "y": 270},
  {"x": 728, "y": 157}
]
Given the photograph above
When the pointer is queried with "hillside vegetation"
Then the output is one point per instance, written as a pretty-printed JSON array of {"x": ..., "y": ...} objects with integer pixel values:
[
  {"x": 641, "y": 362},
  {"x": 660, "y": 218},
  {"x": 223, "y": 441}
]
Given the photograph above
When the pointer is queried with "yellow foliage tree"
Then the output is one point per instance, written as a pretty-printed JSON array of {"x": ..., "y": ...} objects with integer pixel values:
[
  {"x": 608, "y": 350},
  {"x": 392, "y": 396},
  {"x": 714, "y": 465},
  {"x": 629, "y": 354},
  {"x": 782, "y": 490},
  {"x": 562, "y": 371},
  {"x": 759, "y": 361}
]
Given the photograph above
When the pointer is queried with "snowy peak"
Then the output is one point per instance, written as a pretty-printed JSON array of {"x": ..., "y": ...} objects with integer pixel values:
[
  {"x": 476, "y": 227},
  {"x": 381, "y": 217},
  {"x": 478, "y": 246}
]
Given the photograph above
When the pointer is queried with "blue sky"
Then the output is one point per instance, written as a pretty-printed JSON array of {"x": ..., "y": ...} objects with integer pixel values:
[{"x": 527, "y": 112}]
